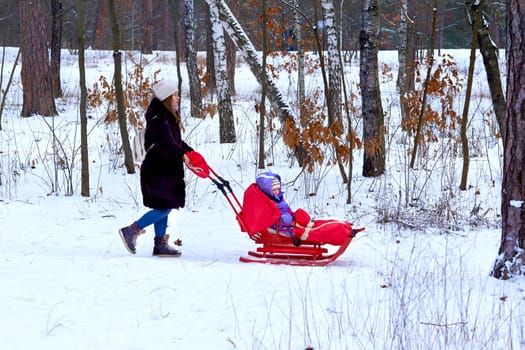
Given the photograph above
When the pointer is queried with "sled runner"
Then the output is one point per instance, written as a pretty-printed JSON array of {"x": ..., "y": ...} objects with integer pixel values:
[{"x": 321, "y": 241}]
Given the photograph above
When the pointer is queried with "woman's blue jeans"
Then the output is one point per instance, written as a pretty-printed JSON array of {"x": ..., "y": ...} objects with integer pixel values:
[{"x": 157, "y": 217}]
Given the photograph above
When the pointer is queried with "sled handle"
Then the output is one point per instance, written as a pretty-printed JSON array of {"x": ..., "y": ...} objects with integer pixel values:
[
  {"x": 220, "y": 182},
  {"x": 223, "y": 184}
]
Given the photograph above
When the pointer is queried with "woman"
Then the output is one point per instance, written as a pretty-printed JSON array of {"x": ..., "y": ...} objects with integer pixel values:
[{"x": 162, "y": 171}]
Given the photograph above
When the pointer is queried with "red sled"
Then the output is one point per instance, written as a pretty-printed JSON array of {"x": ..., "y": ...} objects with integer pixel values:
[{"x": 322, "y": 241}]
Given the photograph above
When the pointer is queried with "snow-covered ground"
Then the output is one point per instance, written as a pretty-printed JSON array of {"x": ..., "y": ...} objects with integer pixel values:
[{"x": 67, "y": 281}]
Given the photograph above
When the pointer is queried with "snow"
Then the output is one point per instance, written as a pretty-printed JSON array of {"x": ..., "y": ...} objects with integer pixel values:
[{"x": 67, "y": 281}]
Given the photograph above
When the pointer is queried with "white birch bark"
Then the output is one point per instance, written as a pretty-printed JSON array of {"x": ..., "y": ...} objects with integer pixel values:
[
  {"x": 301, "y": 95},
  {"x": 372, "y": 109},
  {"x": 191, "y": 60},
  {"x": 334, "y": 66},
  {"x": 248, "y": 52},
  {"x": 227, "y": 127}
]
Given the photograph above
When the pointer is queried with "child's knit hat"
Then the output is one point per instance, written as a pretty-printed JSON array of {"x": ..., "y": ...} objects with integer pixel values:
[{"x": 276, "y": 184}]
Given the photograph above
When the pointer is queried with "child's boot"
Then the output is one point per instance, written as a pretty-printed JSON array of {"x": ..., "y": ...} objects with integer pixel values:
[
  {"x": 163, "y": 249},
  {"x": 129, "y": 236}
]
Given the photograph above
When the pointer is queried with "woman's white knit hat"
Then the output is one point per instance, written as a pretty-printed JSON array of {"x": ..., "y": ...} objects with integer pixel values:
[{"x": 164, "y": 89}]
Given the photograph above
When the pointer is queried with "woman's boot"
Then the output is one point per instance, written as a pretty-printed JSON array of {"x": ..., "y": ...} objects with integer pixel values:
[
  {"x": 129, "y": 236},
  {"x": 163, "y": 249}
]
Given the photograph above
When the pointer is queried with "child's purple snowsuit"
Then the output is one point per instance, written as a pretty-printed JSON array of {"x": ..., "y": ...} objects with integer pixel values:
[{"x": 264, "y": 181}]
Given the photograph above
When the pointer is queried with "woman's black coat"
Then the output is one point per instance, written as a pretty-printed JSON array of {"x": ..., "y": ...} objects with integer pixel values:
[{"x": 162, "y": 171}]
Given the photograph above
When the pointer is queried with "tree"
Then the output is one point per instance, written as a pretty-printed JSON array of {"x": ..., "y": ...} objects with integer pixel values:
[
  {"x": 35, "y": 72},
  {"x": 147, "y": 27},
  {"x": 211, "y": 85},
  {"x": 372, "y": 109},
  {"x": 57, "y": 14},
  {"x": 489, "y": 52},
  {"x": 231, "y": 52},
  {"x": 248, "y": 52},
  {"x": 262, "y": 105},
  {"x": 191, "y": 61},
  {"x": 99, "y": 25},
  {"x": 174, "y": 7},
  {"x": 404, "y": 49},
  {"x": 430, "y": 63},
  {"x": 300, "y": 63},
  {"x": 511, "y": 259},
  {"x": 117, "y": 80},
  {"x": 468, "y": 93},
  {"x": 335, "y": 115},
  {"x": 226, "y": 123},
  {"x": 84, "y": 155}
]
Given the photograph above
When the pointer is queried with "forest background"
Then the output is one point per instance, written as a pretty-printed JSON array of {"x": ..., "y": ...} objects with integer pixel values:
[
  {"x": 320, "y": 134},
  {"x": 453, "y": 28}
]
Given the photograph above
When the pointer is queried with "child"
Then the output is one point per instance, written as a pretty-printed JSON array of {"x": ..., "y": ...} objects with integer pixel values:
[{"x": 270, "y": 184}]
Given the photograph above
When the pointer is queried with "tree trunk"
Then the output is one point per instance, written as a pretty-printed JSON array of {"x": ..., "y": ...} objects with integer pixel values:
[
  {"x": 147, "y": 27},
  {"x": 489, "y": 52},
  {"x": 262, "y": 106},
  {"x": 99, "y": 24},
  {"x": 226, "y": 122},
  {"x": 430, "y": 62},
  {"x": 174, "y": 7},
  {"x": 335, "y": 117},
  {"x": 468, "y": 93},
  {"x": 247, "y": 50},
  {"x": 163, "y": 29},
  {"x": 411, "y": 46},
  {"x": 403, "y": 57},
  {"x": 191, "y": 61},
  {"x": 35, "y": 72},
  {"x": 117, "y": 80},
  {"x": 84, "y": 155},
  {"x": 231, "y": 52},
  {"x": 175, "y": 14},
  {"x": 510, "y": 261},
  {"x": 301, "y": 96},
  {"x": 334, "y": 67},
  {"x": 56, "y": 45},
  {"x": 211, "y": 84},
  {"x": 179, "y": 25},
  {"x": 372, "y": 109}
]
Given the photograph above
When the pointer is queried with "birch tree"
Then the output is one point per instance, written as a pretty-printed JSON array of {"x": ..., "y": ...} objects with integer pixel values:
[
  {"x": 402, "y": 49},
  {"x": 334, "y": 67},
  {"x": 191, "y": 60},
  {"x": 301, "y": 95},
  {"x": 511, "y": 259},
  {"x": 335, "y": 117},
  {"x": 248, "y": 52},
  {"x": 372, "y": 109},
  {"x": 231, "y": 52},
  {"x": 226, "y": 122}
]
